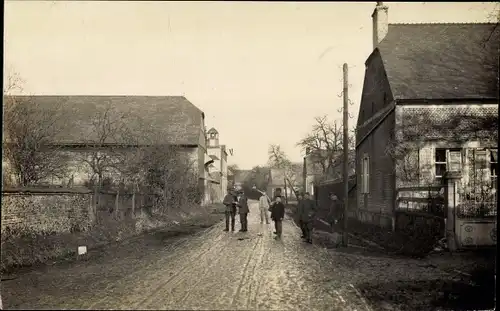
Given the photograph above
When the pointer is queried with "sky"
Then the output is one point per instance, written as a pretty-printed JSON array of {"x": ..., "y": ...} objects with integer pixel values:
[{"x": 261, "y": 71}]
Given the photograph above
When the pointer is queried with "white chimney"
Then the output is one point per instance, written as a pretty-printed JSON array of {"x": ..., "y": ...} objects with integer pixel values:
[{"x": 380, "y": 23}]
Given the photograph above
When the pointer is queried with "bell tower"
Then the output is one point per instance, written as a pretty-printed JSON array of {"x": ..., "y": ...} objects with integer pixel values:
[{"x": 213, "y": 138}]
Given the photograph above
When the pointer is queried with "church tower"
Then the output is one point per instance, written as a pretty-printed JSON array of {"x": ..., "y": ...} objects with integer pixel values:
[{"x": 213, "y": 138}]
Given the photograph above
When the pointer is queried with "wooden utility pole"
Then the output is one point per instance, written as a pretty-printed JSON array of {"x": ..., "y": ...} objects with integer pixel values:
[
  {"x": 346, "y": 154},
  {"x": 304, "y": 175},
  {"x": 286, "y": 196},
  {"x": 304, "y": 172}
]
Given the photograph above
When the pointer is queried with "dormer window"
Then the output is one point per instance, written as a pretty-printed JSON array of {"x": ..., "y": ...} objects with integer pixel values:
[{"x": 213, "y": 135}]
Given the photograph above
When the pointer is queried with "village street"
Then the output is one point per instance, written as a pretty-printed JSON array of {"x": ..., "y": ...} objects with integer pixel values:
[{"x": 215, "y": 270}]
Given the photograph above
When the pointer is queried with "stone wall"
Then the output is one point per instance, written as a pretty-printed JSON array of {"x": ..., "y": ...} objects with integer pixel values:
[
  {"x": 44, "y": 224},
  {"x": 48, "y": 213}
]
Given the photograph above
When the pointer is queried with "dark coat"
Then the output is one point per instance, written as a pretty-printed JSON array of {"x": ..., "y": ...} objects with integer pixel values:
[
  {"x": 229, "y": 202},
  {"x": 300, "y": 208},
  {"x": 277, "y": 211},
  {"x": 243, "y": 205},
  {"x": 336, "y": 211},
  {"x": 307, "y": 210}
]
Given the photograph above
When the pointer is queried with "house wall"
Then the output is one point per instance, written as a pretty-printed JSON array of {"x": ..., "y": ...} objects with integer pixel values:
[
  {"x": 380, "y": 199},
  {"x": 310, "y": 184},
  {"x": 412, "y": 119},
  {"x": 224, "y": 177},
  {"x": 78, "y": 172},
  {"x": 376, "y": 125},
  {"x": 216, "y": 191}
]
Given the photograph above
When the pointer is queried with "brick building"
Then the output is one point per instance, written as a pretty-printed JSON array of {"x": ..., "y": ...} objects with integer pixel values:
[{"x": 431, "y": 92}]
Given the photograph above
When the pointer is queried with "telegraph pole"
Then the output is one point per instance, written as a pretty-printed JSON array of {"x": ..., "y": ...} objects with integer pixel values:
[
  {"x": 304, "y": 173},
  {"x": 346, "y": 154}
]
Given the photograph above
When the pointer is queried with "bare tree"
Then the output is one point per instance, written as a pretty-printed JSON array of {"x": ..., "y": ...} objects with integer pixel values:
[
  {"x": 166, "y": 171},
  {"x": 29, "y": 129},
  {"x": 278, "y": 159},
  {"x": 108, "y": 146},
  {"x": 121, "y": 151},
  {"x": 325, "y": 144},
  {"x": 494, "y": 17}
]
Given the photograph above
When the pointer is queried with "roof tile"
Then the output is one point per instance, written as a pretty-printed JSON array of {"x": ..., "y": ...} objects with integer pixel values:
[
  {"x": 442, "y": 61},
  {"x": 172, "y": 119}
]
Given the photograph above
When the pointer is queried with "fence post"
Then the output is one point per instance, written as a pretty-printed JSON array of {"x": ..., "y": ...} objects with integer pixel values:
[
  {"x": 451, "y": 197},
  {"x": 96, "y": 202},
  {"x": 117, "y": 202},
  {"x": 92, "y": 209},
  {"x": 133, "y": 201}
]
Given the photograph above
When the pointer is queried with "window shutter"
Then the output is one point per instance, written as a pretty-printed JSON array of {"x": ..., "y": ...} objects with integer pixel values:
[
  {"x": 482, "y": 168},
  {"x": 367, "y": 175},
  {"x": 427, "y": 165},
  {"x": 362, "y": 175},
  {"x": 468, "y": 170}
]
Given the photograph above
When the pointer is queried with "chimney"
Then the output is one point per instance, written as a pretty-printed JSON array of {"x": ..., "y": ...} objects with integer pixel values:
[{"x": 380, "y": 23}]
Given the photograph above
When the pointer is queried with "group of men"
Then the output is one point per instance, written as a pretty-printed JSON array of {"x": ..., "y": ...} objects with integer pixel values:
[
  {"x": 236, "y": 200},
  {"x": 306, "y": 212}
]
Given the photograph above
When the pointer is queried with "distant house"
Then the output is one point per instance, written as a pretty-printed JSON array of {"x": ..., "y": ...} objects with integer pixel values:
[
  {"x": 218, "y": 168},
  {"x": 277, "y": 179},
  {"x": 171, "y": 120},
  {"x": 431, "y": 88}
]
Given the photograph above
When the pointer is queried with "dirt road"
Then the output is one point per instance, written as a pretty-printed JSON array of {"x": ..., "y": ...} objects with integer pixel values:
[{"x": 212, "y": 270}]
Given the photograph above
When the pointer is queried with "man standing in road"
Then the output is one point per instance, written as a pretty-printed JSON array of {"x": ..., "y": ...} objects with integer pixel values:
[
  {"x": 277, "y": 215},
  {"x": 264, "y": 207},
  {"x": 230, "y": 202},
  {"x": 243, "y": 211},
  {"x": 308, "y": 213},
  {"x": 300, "y": 201},
  {"x": 335, "y": 213}
]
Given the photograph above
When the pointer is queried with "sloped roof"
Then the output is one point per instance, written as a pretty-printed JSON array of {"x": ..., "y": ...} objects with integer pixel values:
[
  {"x": 173, "y": 119},
  {"x": 215, "y": 176},
  {"x": 212, "y": 130},
  {"x": 442, "y": 61}
]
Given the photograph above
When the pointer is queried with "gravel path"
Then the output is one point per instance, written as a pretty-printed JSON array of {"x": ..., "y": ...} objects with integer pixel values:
[{"x": 218, "y": 270}]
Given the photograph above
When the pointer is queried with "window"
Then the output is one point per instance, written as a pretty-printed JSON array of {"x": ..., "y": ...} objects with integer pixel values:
[
  {"x": 385, "y": 98},
  {"x": 365, "y": 174},
  {"x": 493, "y": 167},
  {"x": 212, "y": 135},
  {"x": 447, "y": 159},
  {"x": 440, "y": 163}
]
